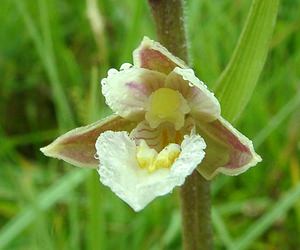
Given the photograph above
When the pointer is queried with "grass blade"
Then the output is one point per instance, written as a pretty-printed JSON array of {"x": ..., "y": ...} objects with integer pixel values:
[
  {"x": 44, "y": 50},
  {"x": 278, "y": 119},
  {"x": 44, "y": 201},
  {"x": 221, "y": 228},
  {"x": 261, "y": 225}
]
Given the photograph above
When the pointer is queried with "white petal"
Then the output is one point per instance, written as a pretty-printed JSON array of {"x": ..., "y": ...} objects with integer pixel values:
[
  {"x": 119, "y": 168},
  {"x": 204, "y": 105},
  {"x": 126, "y": 91}
]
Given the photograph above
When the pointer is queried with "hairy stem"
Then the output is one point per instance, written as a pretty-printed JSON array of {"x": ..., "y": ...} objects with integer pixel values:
[
  {"x": 170, "y": 27},
  {"x": 196, "y": 222},
  {"x": 195, "y": 193}
]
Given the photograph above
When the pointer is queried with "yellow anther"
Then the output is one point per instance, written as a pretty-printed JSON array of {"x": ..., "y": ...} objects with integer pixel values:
[
  {"x": 167, "y": 156},
  {"x": 145, "y": 155},
  {"x": 149, "y": 159},
  {"x": 173, "y": 152},
  {"x": 166, "y": 105}
]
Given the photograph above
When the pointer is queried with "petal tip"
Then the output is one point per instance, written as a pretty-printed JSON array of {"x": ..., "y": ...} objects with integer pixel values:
[
  {"x": 146, "y": 39},
  {"x": 258, "y": 158},
  {"x": 255, "y": 160},
  {"x": 137, "y": 208},
  {"x": 48, "y": 150}
]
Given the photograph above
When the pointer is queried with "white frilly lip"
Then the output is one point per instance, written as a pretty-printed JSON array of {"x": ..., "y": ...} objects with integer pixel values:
[{"x": 119, "y": 170}]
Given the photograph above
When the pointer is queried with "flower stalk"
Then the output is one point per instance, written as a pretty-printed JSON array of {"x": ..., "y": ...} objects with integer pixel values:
[
  {"x": 195, "y": 193},
  {"x": 196, "y": 209},
  {"x": 170, "y": 27}
]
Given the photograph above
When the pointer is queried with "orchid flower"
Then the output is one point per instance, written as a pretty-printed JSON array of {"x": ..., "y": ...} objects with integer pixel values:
[{"x": 166, "y": 125}]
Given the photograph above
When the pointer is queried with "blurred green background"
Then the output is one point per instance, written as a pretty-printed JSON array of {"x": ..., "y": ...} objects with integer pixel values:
[{"x": 53, "y": 54}]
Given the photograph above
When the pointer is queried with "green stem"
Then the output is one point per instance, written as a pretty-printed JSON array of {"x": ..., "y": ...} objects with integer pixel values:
[{"x": 195, "y": 193}]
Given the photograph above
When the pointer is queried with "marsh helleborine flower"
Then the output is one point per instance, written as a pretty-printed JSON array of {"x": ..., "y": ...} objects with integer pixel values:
[{"x": 166, "y": 124}]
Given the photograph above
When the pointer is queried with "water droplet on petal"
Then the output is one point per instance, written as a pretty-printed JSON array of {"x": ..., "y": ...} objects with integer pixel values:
[
  {"x": 112, "y": 72},
  {"x": 190, "y": 71},
  {"x": 125, "y": 66},
  {"x": 191, "y": 85},
  {"x": 103, "y": 81},
  {"x": 96, "y": 156}
]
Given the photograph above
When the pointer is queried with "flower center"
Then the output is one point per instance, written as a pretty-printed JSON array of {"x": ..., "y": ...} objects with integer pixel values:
[
  {"x": 149, "y": 159},
  {"x": 166, "y": 105}
]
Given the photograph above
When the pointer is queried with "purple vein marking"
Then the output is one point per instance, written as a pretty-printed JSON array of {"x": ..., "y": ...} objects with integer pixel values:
[{"x": 138, "y": 87}]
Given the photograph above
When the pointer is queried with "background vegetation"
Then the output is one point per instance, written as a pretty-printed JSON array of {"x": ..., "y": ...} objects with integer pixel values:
[{"x": 53, "y": 54}]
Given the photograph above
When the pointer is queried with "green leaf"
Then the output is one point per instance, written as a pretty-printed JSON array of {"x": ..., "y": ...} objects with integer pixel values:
[{"x": 237, "y": 82}]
